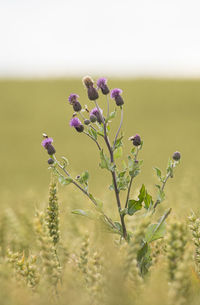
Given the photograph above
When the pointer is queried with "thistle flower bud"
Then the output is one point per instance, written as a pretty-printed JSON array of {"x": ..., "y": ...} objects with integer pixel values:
[
  {"x": 93, "y": 118},
  {"x": 80, "y": 128},
  {"x": 92, "y": 93},
  {"x": 95, "y": 112},
  {"x": 47, "y": 144},
  {"x": 51, "y": 150},
  {"x": 101, "y": 84},
  {"x": 76, "y": 123},
  {"x": 89, "y": 84},
  {"x": 87, "y": 122},
  {"x": 73, "y": 100},
  {"x": 47, "y": 141},
  {"x": 77, "y": 106},
  {"x": 50, "y": 161},
  {"x": 176, "y": 156},
  {"x": 88, "y": 81},
  {"x": 136, "y": 140},
  {"x": 115, "y": 94}
]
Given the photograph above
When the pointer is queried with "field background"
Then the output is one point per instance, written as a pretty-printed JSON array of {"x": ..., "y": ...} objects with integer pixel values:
[{"x": 166, "y": 113}]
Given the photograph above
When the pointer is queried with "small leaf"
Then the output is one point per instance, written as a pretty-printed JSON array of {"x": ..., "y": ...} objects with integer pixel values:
[
  {"x": 112, "y": 115},
  {"x": 105, "y": 162},
  {"x": 148, "y": 201},
  {"x": 134, "y": 206},
  {"x": 92, "y": 133},
  {"x": 153, "y": 233},
  {"x": 119, "y": 142},
  {"x": 82, "y": 213},
  {"x": 83, "y": 178},
  {"x": 142, "y": 193},
  {"x": 134, "y": 167},
  {"x": 133, "y": 150},
  {"x": 158, "y": 230},
  {"x": 118, "y": 226},
  {"x": 118, "y": 152},
  {"x": 158, "y": 172},
  {"x": 161, "y": 195},
  {"x": 64, "y": 181}
]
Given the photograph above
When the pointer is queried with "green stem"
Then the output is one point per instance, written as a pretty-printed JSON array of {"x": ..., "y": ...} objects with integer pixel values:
[
  {"x": 108, "y": 110},
  {"x": 162, "y": 188},
  {"x": 113, "y": 173},
  {"x": 121, "y": 121},
  {"x": 92, "y": 139},
  {"x": 131, "y": 181},
  {"x": 85, "y": 192}
]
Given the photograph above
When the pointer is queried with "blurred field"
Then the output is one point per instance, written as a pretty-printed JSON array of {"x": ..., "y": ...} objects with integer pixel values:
[
  {"x": 164, "y": 112},
  {"x": 166, "y": 115}
]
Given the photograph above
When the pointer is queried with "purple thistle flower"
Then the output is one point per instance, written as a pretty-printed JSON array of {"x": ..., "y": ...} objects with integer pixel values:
[
  {"x": 95, "y": 112},
  {"x": 75, "y": 122},
  {"x": 47, "y": 145},
  {"x": 136, "y": 140},
  {"x": 46, "y": 142},
  {"x": 115, "y": 94},
  {"x": 102, "y": 84},
  {"x": 73, "y": 98}
]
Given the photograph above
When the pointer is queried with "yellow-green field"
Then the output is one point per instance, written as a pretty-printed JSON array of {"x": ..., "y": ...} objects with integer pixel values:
[{"x": 166, "y": 113}]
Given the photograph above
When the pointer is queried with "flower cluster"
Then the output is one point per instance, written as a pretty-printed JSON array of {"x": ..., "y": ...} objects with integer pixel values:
[{"x": 96, "y": 114}]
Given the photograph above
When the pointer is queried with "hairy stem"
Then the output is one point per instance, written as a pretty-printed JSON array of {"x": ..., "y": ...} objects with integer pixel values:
[
  {"x": 128, "y": 193},
  {"x": 92, "y": 139},
  {"x": 162, "y": 188},
  {"x": 120, "y": 125},
  {"x": 108, "y": 110},
  {"x": 85, "y": 192},
  {"x": 113, "y": 173},
  {"x": 131, "y": 181}
]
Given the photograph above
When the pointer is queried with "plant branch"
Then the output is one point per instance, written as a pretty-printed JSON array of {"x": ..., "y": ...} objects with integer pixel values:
[
  {"x": 108, "y": 110},
  {"x": 162, "y": 188},
  {"x": 131, "y": 181},
  {"x": 85, "y": 192},
  {"x": 113, "y": 173},
  {"x": 92, "y": 139},
  {"x": 121, "y": 121}
]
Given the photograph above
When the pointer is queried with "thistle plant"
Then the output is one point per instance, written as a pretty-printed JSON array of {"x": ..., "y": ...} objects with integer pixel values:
[{"x": 94, "y": 121}]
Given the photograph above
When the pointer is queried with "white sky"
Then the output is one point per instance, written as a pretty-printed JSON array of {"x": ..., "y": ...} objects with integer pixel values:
[{"x": 116, "y": 37}]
